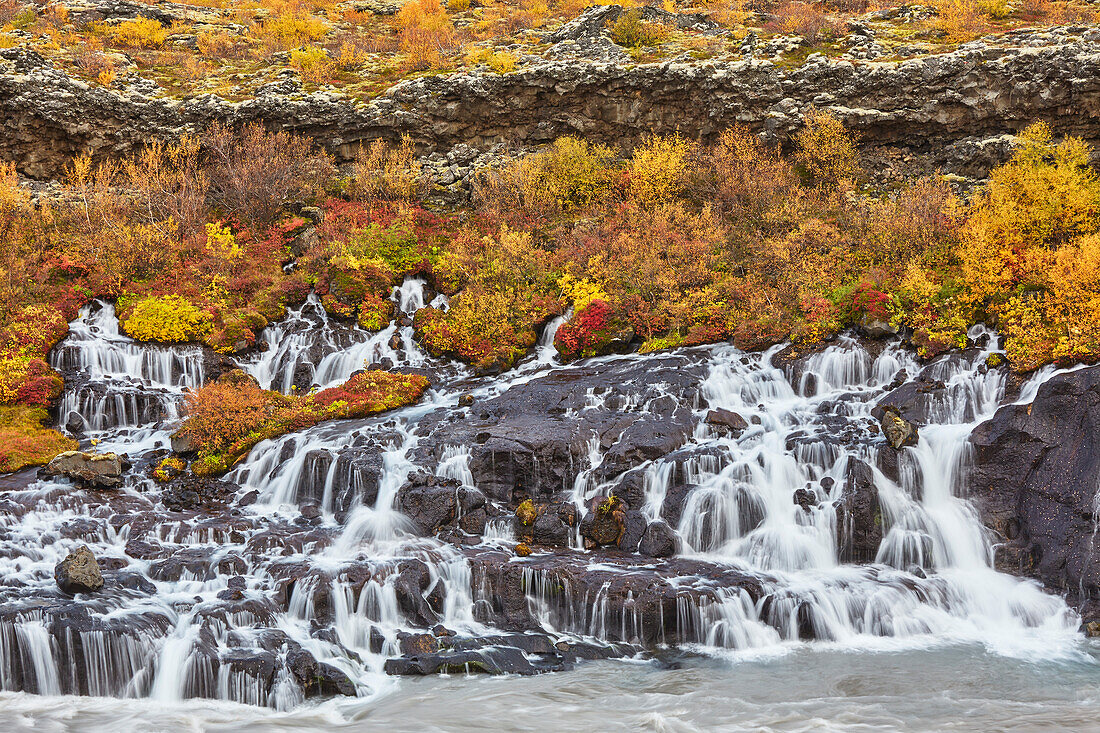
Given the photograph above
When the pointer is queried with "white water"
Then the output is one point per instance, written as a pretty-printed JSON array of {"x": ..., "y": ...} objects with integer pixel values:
[{"x": 740, "y": 513}]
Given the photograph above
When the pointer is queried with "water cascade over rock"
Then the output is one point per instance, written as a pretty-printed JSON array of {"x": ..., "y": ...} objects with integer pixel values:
[{"x": 730, "y": 502}]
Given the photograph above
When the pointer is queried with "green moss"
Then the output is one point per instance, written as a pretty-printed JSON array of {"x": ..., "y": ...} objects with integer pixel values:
[{"x": 527, "y": 512}]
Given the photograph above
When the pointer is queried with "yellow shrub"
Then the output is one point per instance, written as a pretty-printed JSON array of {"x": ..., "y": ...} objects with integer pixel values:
[
  {"x": 1045, "y": 197},
  {"x": 312, "y": 62},
  {"x": 386, "y": 172},
  {"x": 631, "y": 31},
  {"x": 657, "y": 169},
  {"x": 825, "y": 149},
  {"x": 286, "y": 31},
  {"x": 140, "y": 33},
  {"x": 457, "y": 6},
  {"x": 1075, "y": 292},
  {"x": 171, "y": 318},
  {"x": 221, "y": 243},
  {"x": 502, "y": 62},
  {"x": 12, "y": 374},
  {"x": 568, "y": 175},
  {"x": 351, "y": 57},
  {"x": 580, "y": 293}
]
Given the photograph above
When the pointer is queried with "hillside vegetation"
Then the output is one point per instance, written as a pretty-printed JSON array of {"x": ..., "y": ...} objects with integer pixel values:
[
  {"x": 362, "y": 47},
  {"x": 677, "y": 244}
]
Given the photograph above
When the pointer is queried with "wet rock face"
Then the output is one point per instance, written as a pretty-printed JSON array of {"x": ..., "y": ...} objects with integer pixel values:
[
  {"x": 96, "y": 470},
  {"x": 433, "y": 503},
  {"x": 1035, "y": 484},
  {"x": 859, "y": 515},
  {"x": 535, "y": 438},
  {"x": 639, "y": 597},
  {"x": 78, "y": 572}
]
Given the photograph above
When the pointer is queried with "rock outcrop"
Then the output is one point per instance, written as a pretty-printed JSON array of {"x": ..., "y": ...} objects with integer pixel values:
[
  {"x": 95, "y": 470},
  {"x": 78, "y": 572},
  {"x": 956, "y": 108},
  {"x": 1035, "y": 482}
]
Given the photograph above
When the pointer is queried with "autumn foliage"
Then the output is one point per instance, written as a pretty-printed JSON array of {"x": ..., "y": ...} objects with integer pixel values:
[
  {"x": 672, "y": 243},
  {"x": 226, "y": 418}
]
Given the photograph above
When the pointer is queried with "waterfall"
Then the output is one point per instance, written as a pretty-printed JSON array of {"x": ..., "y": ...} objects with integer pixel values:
[
  {"x": 226, "y": 604},
  {"x": 308, "y": 347}
]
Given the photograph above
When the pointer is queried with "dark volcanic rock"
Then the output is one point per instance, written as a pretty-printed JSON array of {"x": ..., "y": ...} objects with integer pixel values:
[
  {"x": 640, "y": 599},
  {"x": 534, "y": 439},
  {"x": 317, "y": 678},
  {"x": 859, "y": 515},
  {"x": 197, "y": 494},
  {"x": 727, "y": 421},
  {"x": 52, "y": 116},
  {"x": 433, "y": 503},
  {"x": 78, "y": 572},
  {"x": 659, "y": 540},
  {"x": 1034, "y": 483}
]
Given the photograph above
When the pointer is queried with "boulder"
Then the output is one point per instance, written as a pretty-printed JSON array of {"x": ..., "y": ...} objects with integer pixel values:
[
  {"x": 434, "y": 503},
  {"x": 875, "y": 328},
  {"x": 605, "y": 522},
  {"x": 545, "y": 524},
  {"x": 182, "y": 442},
  {"x": 727, "y": 421},
  {"x": 659, "y": 540},
  {"x": 634, "y": 526},
  {"x": 78, "y": 572},
  {"x": 95, "y": 470},
  {"x": 317, "y": 678},
  {"x": 898, "y": 431}
]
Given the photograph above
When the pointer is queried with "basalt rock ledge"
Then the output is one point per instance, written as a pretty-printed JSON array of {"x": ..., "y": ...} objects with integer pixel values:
[{"x": 957, "y": 109}]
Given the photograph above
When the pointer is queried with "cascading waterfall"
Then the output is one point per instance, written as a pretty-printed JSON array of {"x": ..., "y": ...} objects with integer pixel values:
[
  {"x": 309, "y": 347},
  {"x": 121, "y": 383},
  {"x": 164, "y": 629}
]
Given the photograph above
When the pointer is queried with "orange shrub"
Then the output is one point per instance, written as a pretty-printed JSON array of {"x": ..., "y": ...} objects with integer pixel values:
[
  {"x": 807, "y": 20},
  {"x": 426, "y": 33},
  {"x": 25, "y": 442}
]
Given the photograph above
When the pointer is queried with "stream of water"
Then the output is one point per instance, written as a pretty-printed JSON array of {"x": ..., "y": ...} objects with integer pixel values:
[{"x": 921, "y": 634}]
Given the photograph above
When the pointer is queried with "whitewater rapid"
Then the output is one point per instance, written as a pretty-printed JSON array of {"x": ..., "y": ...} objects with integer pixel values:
[{"x": 931, "y": 585}]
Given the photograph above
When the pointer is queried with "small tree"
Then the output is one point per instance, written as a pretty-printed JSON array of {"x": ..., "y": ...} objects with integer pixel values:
[
  {"x": 825, "y": 150},
  {"x": 253, "y": 172}
]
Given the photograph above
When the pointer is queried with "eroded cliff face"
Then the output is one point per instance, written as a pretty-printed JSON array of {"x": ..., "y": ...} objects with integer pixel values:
[
  {"x": 952, "y": 109},
  {"x": 1036, "y": 483}
]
